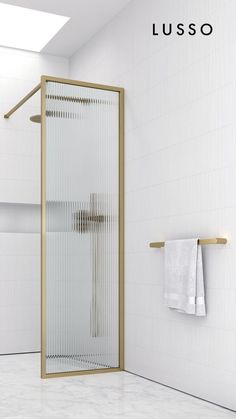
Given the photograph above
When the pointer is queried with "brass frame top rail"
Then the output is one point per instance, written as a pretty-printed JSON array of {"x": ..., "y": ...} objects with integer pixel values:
[{"x": 200, "y": 241}]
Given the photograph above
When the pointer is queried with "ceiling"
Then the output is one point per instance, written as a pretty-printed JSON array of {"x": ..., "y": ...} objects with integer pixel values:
[{"x": 87, "y": 17}]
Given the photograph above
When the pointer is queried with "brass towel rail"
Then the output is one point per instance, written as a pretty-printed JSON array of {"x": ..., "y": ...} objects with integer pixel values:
[{"x": 200, "y": 241}]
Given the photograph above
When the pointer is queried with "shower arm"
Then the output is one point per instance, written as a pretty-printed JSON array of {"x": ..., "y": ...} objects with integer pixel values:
[{"x": 22, "y": 101}]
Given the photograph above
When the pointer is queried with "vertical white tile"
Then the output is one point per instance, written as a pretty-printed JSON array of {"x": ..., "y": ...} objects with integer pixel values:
[
  {"x": 180, "y": 182},
  {"x": 20, "y": 71}
]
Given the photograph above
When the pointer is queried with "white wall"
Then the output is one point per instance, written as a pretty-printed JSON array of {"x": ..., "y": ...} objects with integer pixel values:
[
  {"x": 180, "y": 182},
  {"x": 20, "y": 71}
]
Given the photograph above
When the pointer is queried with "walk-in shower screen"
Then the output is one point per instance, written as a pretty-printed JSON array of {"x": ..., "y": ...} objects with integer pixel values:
[{"x": 81, "y": 238}]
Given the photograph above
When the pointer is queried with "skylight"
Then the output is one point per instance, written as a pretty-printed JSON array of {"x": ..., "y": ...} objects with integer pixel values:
[{"x": 27, "y": 29}]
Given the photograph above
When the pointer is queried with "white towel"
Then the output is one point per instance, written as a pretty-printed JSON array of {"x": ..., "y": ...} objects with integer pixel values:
[{"x": 184, "y": 281}]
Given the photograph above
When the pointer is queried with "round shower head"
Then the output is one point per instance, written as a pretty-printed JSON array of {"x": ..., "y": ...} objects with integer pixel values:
[{"x": 36, "y": 118}]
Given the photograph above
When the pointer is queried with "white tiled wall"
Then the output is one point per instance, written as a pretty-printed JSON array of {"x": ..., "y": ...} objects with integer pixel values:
[
  {"x": 20, "y": 184},
  {"x": 19, "y": 292},
  {"x": 180, "y": 182},
  {"x": 19, "y": 138}
]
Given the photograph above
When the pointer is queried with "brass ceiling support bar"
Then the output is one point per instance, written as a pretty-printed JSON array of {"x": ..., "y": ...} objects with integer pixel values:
[
  {"x": 200, "y": 241},
  {"x": 22, "y": 101}
]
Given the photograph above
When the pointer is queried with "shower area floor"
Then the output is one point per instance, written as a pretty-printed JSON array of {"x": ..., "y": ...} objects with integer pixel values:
[
  {"x": 121, "y": 395},
  {"x": 59, "y": 364},
  {"x": 69, "y": 364}
]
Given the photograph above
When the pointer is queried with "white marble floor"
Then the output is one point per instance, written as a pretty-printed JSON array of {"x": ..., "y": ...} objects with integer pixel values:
[{"x": 23, "y": 395}]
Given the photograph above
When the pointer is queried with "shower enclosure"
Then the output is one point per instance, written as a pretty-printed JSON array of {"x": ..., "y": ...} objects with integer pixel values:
[{"x": 82, "y": 226}]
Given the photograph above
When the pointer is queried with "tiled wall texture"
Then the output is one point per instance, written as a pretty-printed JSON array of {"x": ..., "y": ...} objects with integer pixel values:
[
  {"x": 19, "y": 138},
  {"x": 19, "y": 293},
  {"x": 180, "y": 182},
  {"x": 20, "y": 71}
]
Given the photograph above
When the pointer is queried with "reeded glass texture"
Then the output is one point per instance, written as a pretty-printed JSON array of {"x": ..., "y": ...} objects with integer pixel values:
[{"x": 82, "y": 228}]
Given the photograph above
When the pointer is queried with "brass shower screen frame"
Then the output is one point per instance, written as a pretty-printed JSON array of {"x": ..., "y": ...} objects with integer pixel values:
[{"x": 42, "y": 86}]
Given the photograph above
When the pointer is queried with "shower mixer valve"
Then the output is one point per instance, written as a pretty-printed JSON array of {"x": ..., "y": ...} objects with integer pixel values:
[{"x": 82, "y": 220}]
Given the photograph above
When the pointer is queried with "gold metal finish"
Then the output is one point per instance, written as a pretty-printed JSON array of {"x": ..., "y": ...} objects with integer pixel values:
[
  {"x": 44, "y": 80},
  {"x": 43, "y": 228},
  {"x": 200, "y": 241},
  {"x": 121, "y": 228},
  {"x": 36, "y": 118},
  {"x": 84, "y": 372},
  {"x": 82, "y": 83},
  {"x": 83, "y": 220},
  {"x": 22, "y": 101}
]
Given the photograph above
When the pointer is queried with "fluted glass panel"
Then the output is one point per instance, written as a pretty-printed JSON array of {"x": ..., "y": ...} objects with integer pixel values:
[{"x": 82, "y": 226}]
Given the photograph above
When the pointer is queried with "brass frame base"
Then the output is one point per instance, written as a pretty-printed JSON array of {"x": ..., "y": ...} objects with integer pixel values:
[{"x": 82, "y": 372}]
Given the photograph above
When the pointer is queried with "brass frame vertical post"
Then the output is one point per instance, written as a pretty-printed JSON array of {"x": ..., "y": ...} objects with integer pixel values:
[
  {"x": 43, "y": 227},
  {"x": 121, "y": 228}
]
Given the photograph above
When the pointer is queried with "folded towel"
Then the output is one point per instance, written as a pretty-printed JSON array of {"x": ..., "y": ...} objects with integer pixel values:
[{"x": 184, "y": 281}]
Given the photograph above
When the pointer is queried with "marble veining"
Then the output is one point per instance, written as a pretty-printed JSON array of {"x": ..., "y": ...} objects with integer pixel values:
[{"x": 24, "y": 395}]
